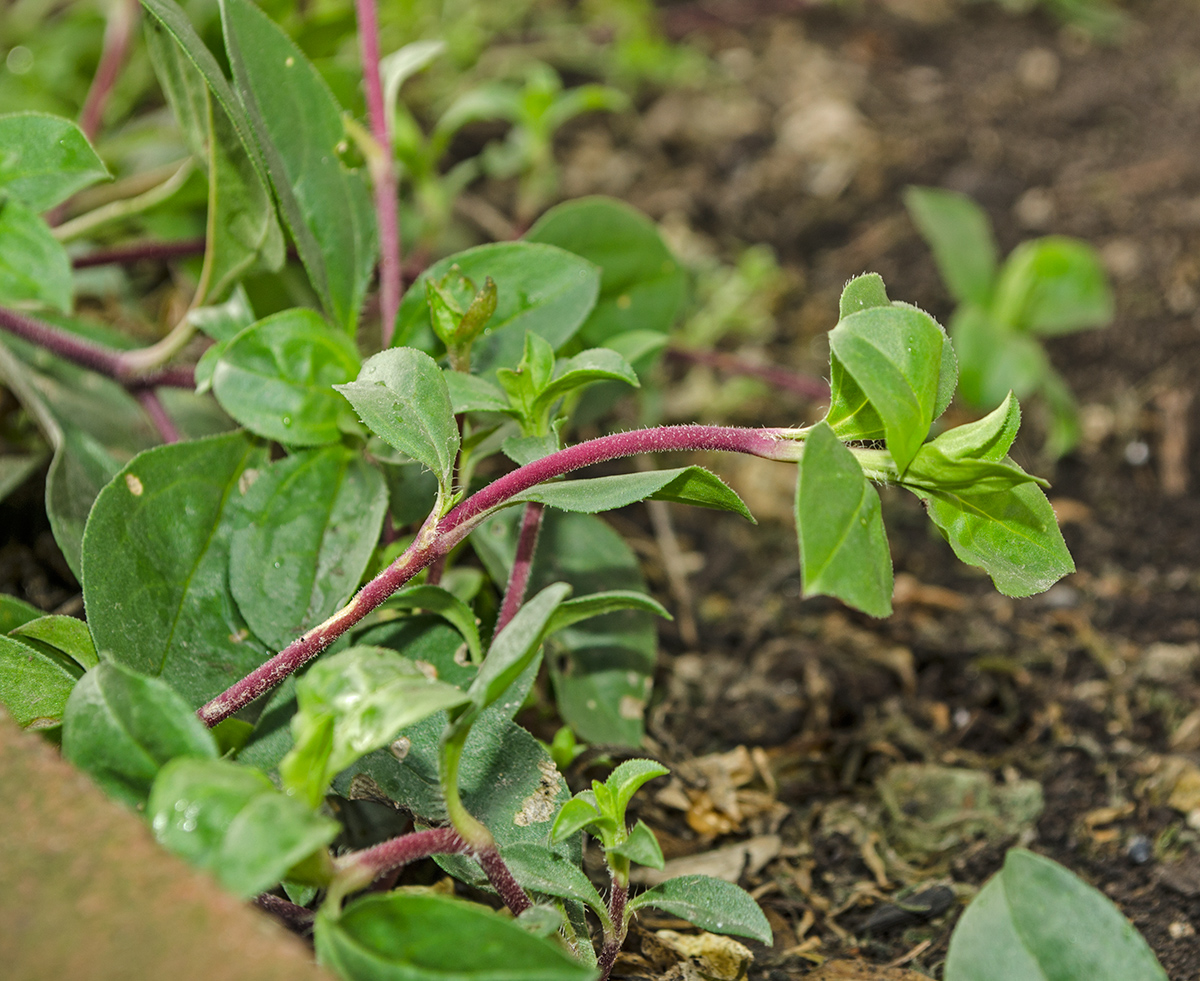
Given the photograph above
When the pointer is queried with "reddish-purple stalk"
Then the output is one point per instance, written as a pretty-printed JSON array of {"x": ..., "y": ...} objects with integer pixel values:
[
  {"x": 436, "y": 538},
  {"x": 117, "y": 35},
  {"x": 612, "y": 944},
  {"x": 140, "y": 251},
  {"x": 502, "y": 881},
  {"x": 395, "y": 853},
  {"x": 806, "y": 386},
  {"x": 518, "y": 578},
  {"x": 298, "y": 919},
  {"x": 99, "y": 359},
  {"x": 158, "y": 415},
  {"x": 383, "y": 171}
]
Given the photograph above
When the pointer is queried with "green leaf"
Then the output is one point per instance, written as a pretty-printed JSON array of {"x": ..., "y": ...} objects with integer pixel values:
[
  {"x": 628, "y": 778},
  {"x": 45, "y": 159},
  {"x": 994, "y": 359},
  {"x": 80, "y": 469},
  {"x": 516, "y": 645},
  {"x": 446, "y": 605},
  {"x": 65, "y": 634},
  {"x": 121, "y": 727},
  {"x": 843, "y": 548},
  {"x": 988, "y": 438},
  {"x": 601, "y": 668},
  {"x": 303, "y": 538},
  {"x": 596, "y": 364},
  {"x": 542, "y": 870},
  {"x": 155, "y": 565},
  {"x": 277, "y": 377},
  {"x": 894, "y": 354},
  {"x": 580, "y": 812},
  {"x": 574, "y": 611},
  {"x": 351, "y": 704},
  {"x": 641, "y": 846},
  {"x": 862, "y": 293},
  {"x": 14, "y": 612},
  {"x": 1035, "y": 920},
  {"x": 936, "y": 471},
  {"x": 685, "y": 485},
  {"x": 539, "y": 288},
  {"x": 1011, "y": 533},
  {"x": 642, "y": 285},
  {"x": 470, "y": 393},
  {"x": 1052, "y": 286},
  {"x": 34, "y": 268},
  {"x": 851, "y": 414},
  {"x": 711, "y": 904},
  {"x": 299, "y": 127},
  {"x": 404, "y": 936},
  {"x": 34, "y": 684},
  {"x": 401, "y": 395},
  {"x": 242, "y": 231},
  {"x": 231, "y": 821},
  {"x": 960, "y": 235}
]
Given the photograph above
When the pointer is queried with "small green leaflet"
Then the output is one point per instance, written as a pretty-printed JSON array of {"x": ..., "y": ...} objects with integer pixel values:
[
  {"x": 35, "y": 684},
  {"x": 960, "y": 235},
  {"x": 843, "y": 548},
  {"x": 44, "y": 159},
  {"x": 446, "y": 605},
  {"x": 231, "y": 821},
  {"x": 712, "y": 904},
  {"x": 1052, "y": 286},
  {"x": 1036, "y": 921},
  {"x": 64, "y": 634},
  {"x": 405, "y": 936},
  {"x": 34, "y": 268},
  {"x": 121, "y": 727},
  {"x": 401, "y": 395},
  {"x": 541, "y": 870}
]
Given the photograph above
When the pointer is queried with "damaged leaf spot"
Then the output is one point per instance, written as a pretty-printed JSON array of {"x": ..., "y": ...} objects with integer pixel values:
[
  {"x": 541, "y": 805},
  {"x": 630, "y": 707},
  {"x": 134, "y": 485}
]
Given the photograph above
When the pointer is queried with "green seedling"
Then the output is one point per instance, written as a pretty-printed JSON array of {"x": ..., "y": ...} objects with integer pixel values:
[{"x": 1047, "y": 287}]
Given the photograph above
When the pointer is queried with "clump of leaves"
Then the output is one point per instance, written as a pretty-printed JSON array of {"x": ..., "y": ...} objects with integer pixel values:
[{"x": 1047, "y": 287}]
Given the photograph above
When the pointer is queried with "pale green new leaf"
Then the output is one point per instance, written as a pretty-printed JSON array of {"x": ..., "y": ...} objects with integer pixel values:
[
  {"x": 1051, "y": 286},
  {"x": 582, "y": 608},
  {"x": 960, "y": 235},
  {"x": 34, "y": 268},
  {"x": 843, "y": 548},
  {"x": 44, "y": 159}
]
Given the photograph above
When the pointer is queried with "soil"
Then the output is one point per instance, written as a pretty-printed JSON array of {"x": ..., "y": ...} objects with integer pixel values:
[{"x": 782, "y": 719}]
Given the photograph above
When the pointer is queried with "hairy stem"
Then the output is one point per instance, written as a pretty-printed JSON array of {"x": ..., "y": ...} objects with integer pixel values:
[
  {"x": 436, "y": 538},
  {"x": 117, "y": 35},
  {"x": 365, "y": 866},
  {"x": 158, "y": 415},
  {"x": 298, "y": 919},
  {"x": 503, "y": 882},
  {"x": 121, "y": 366},
  {"x": 383, "y": 171},
  {"x": 140, "y": 251},
  {"x": 518, "y": 579},
  {"x": 613, "y": 941}
]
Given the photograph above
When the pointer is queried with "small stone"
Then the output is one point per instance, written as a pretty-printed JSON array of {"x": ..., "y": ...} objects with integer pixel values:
[{"x": 1139, "y": 850}]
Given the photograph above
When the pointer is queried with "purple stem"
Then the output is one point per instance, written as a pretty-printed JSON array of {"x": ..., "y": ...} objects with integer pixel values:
[
  {"x": 139, "y": 251},
  {"x": 117, "y": 36},
  {"x": 612, "y": 944},
  {"x": 296, "y": 918},
  {"x": 158, "y": 415},
  {"x": 93, "y": 356},
  {"x": 518, "y": 579},
  {"x": 502, "y": 881},
  {"x": 806, "y": 386},
  {"x": 436, "y": 538},
  {"x": 383, "y": 172},
  {"x": 398, "y": 852}
]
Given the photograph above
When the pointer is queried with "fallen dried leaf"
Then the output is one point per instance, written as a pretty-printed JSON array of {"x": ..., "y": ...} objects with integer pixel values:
[{"x": 729, "y": 863}]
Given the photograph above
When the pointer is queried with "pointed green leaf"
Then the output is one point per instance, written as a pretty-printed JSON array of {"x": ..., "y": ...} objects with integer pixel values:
[
  {"x": 121, "y": 727},
  {"x": 401, "y": 395},
  {"x": 851, "y": 414},
  {"x": 470, "y": 393},
  {"x": 596, "y": 364},
  {"x": 582, "y": 608},
  {"x": 629, "y": 777},
  {"x": 988, "y": 438},
  {"x": 862, "y": 293},
  {"x": 446, "y": 605},
  {"x": 711, "y": 904},
  {"x": 351, "y": 704},
  {"x": 642, "y": 285},
  {"x": 65, "y": 634},
  {"x": 933, "y": 470},
  {"x": 960, "y": 235},
  {"x": 995, "y": 360},
  {"x": 685, "y": 485},
  {"x": 277, "y": 378},
  {"x": 1052, "y": 286},
  {"x": 231, "y": 821},
  {"x": 156, "y": 560},
  {"x": 539, "y": 288},
  {"x": 576, "y": 814},
  {"x": 843, "y": 548},
  {"x": 1011, "y": 533},
  {"x": 299, "y": 128},
  {"x": 404, "y": 936},
  {"x": 1035, "y": 920},
  {"x": 34, "y": 268},
  {"x": 302, "y": 540},
  {"x": 894, "y": 355},
  {"x": 516, "y": 645},
  {"x": 45, "y": 159},
  {"x": 641, "y": 846},
  {"x": 541, "y": 870},
  {"x": 34, "y": 684}
]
